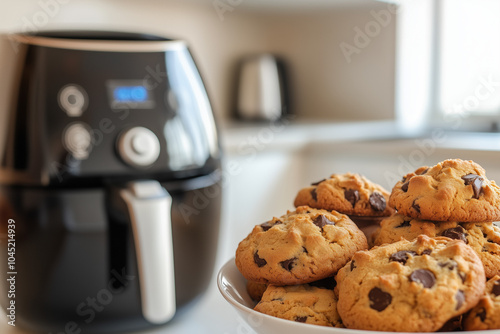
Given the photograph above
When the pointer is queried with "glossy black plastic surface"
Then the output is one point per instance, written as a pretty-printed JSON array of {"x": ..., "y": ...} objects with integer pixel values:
[
  {"x": 181, "y": 118},
  {"x": 76, "y": 261},
  {"x": 99, "y": 35}
]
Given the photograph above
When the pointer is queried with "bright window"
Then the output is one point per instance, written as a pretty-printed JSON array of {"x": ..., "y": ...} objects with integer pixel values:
[{"x": 468, "y": 57}]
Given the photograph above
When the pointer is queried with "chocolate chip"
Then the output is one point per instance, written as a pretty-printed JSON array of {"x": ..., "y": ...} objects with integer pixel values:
[
  {"x": 457, "y": 233},
  {"x": 476, "y": 181},
  {"x": 326, "y": 283},
  {"x": 405, "y": 223},
  {"x": 415, "y": 206},
  {"x": 305, "y": 250},
  {"x": 353, "y": 265},
  {"x": 402, "y": 256},
  {"x": 427, "y": 252},
  {"x": 424, "y": 172},
  {"x": 424, "y": 277},
  {"x": 403, "y": 179},
  {"x": 463, "y": 276},
  {"x": 484, "y": 249},
  {"x": 317, "y": 183},
  {"x": 449, "y": 264},
  {"x": 405, "y": 185},
  {"x": 496, "y": 288},
  {"x": 314, "y": 194},
  {"x": 452, "y": 325},
  {"x": 379, "y": 300},
  {"x": 481, "y": 314},
  {"x": 301, "y": 319},
  {"x": 377, "y": 201},
  {"x": 469, "y": 178},
  {"x": 351, "y": 195},
  {"x": 460, "y": 298},
  {"x": 266, "y": 226},
  {"x": 477, "y": 186},
  {"x": 259, "y": 261},
  {"x": 288, "y": 264},
  {"x": 321, "y": 221}
]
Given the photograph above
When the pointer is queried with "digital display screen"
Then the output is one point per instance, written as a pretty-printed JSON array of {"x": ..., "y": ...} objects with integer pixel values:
[{"x": 129, "y": 94}]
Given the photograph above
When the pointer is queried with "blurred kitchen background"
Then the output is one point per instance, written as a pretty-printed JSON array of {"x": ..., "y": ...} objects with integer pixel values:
[{"x": 374, "y": 87}]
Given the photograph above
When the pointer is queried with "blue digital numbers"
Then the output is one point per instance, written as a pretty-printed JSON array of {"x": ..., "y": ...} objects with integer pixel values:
[{"x": 130, "y": 94}]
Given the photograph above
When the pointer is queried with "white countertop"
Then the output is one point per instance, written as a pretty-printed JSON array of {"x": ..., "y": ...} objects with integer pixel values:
[
  {"x": 298, "y": 134},
  {"x": 237, "y": 136}
]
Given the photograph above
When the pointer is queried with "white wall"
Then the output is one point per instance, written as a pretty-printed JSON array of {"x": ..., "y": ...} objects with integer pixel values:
[{"x": 323, "y": 84}]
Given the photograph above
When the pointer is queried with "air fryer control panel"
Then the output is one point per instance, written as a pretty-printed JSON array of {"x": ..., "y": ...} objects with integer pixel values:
[
  {"x": 119, "y": 113},
  {"x": 104, "y": 126},
  {"x": 139, "y": 147}
]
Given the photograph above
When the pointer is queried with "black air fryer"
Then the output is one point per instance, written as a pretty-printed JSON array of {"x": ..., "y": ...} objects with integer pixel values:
[{"x": 109, "y": 181}]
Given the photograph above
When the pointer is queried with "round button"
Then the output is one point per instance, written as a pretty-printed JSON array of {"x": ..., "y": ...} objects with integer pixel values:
[
  {"x": 73, "y": 100},
  {"x": 77, "y": 140},
  {"x": 142, "y": 143},
  {"x": 139, "y": 147}
]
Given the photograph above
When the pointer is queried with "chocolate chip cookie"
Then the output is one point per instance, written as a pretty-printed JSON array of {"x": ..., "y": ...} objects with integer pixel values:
[
  {"x": 409, "y": 286},
  {"x": 301, "y": 303},
  {"x": 486, "y": 314},
  {"x": 256, "y": 290},
  {"x": 452, "y": 190},
  {"x": 300, "y": 247},
  {"x": 484, "y": 238},
  {"x": 351, "y": 194}
]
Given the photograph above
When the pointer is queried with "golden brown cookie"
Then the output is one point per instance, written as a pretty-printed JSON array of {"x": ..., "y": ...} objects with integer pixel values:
[
  {"x": 256, "y": 290},
  {"x": 452, "y": 190},
  {"x": 301, "y": 303},
  {"x": 486, "y": 314},
  {"x": 484, "y": 238},
  {"x": 409, "y": 286},
  {"x": 351, "y": 194},
  {"x": 300, "y": 247}
]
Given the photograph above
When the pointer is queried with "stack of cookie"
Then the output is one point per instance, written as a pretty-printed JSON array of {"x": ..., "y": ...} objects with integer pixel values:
[
  {"x": 427, "y": 271},
  {"x": 305, "y": 247},
  {"x": 452, "y": 199}
]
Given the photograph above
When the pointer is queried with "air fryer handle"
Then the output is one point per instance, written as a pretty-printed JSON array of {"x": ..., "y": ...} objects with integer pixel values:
[{"x": 149, "y": 206}]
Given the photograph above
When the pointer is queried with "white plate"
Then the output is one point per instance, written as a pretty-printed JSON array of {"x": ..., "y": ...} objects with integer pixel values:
[{"x": 232, "y": 286}]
